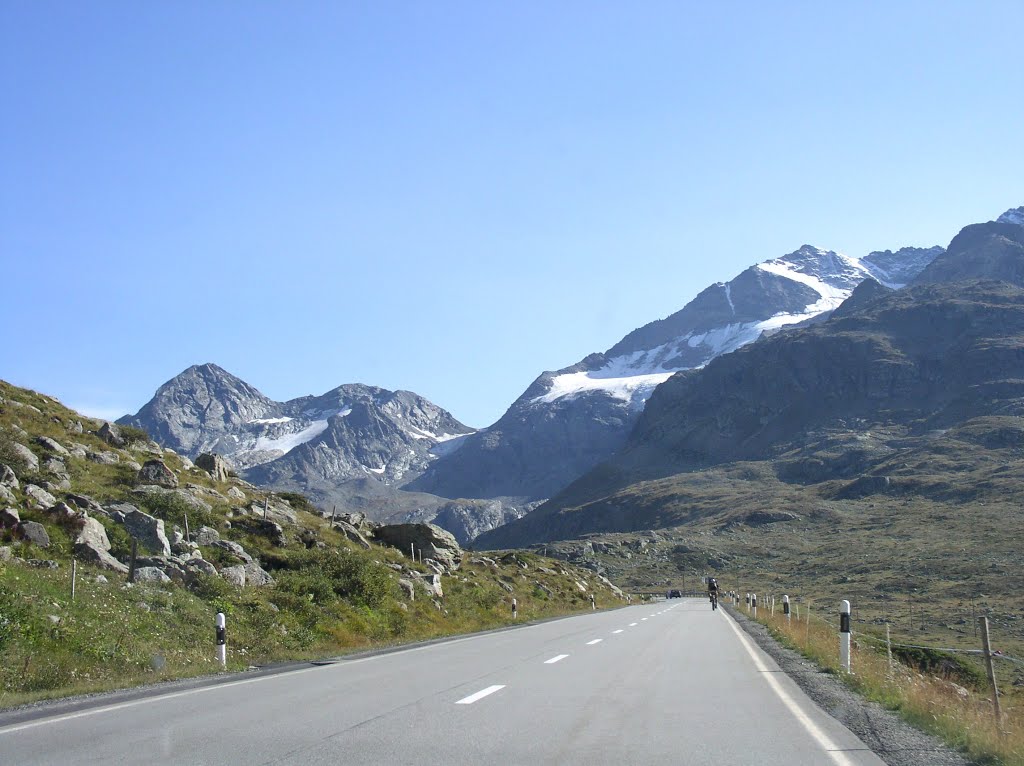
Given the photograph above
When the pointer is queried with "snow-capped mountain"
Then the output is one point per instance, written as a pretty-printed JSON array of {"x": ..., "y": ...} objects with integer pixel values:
[
  {"x": 569, "y": 420},
  {"x": 351, "y": 432}
]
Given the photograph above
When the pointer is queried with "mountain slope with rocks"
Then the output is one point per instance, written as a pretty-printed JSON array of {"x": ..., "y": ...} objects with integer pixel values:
[{"x": 570, "y": 420}]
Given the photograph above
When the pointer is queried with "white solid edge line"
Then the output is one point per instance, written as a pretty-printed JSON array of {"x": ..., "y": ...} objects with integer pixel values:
[
  {"x": 831, "y": 748},
  {"x": 595, "y": 641},
  {"x": 556, "y": 658},
  {"x": 480, "y": 694}
]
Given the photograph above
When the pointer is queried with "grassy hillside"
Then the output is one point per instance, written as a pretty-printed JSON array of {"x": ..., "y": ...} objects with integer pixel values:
[{"x": 328, "y": 595}]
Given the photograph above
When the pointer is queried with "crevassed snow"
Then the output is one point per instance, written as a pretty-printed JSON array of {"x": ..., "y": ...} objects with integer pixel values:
[
  {"x": 288, "y": 442},
  {"x": 269, "y": 421}
]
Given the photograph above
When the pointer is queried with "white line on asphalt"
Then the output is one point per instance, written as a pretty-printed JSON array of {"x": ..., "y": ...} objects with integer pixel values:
[
  {"x": 633, "y": 624},
  {"x": 834, "y": 751},
  {"x": 480, "y": 694},
  {"x": 617, "y": 631},
  {"x": 643, "y": 619},
  {"x": 555, "y": 659},
  {"x": 595, "y": 641}
]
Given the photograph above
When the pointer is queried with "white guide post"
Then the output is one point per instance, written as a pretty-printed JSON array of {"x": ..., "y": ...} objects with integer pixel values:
[
  {"x": 753, "y": 604},
  {"x": 785, "y": 608},
  {"x": 222, "y": 641},
  {"x": 844, "y": 635}
]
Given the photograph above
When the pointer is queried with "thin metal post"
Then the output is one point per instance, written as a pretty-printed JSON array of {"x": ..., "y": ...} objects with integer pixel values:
[
  {"x": 844, "y": 635},
  {"x": 74, "y": 575},
  {"x": 888, "y": 650}
]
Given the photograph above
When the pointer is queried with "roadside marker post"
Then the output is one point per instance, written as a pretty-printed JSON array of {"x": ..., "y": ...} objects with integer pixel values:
[
  {"x": 753, "y": 604},
  {"x": 748, "y": 602},
  {"x": 593, "y": 604},
  {"x": 74, "y": 575},
  {"x": 222, "y": 640},
  {"x": 515, "y": 613},
  {"x": 785, "y": 609},
  {"x": 844, "y": 635},
  {"x": 773, "y": 606}
]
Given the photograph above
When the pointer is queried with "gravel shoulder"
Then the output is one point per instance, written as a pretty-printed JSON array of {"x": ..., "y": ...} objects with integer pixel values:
[{"x": 889, "y": 737}]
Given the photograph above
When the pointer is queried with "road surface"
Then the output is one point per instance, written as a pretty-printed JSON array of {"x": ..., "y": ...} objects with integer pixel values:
[{"x": 668, "y": 683}]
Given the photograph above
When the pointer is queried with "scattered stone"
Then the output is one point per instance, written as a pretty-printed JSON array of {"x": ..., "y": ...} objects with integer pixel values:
[
  {"x": 151, "y": 574},
  {"x": 43, "y": 564},
  {"x": 66, "y": 516},
  {"x": 6, "y": 496},
  {"x": 186, "y": 496},
  {"x": 38, "y": 497},
  {"x": 85, "y": 503},
  {"x": 6, "y": 554},
  {"x": 35, "y": 533},
  {"x": 432, "y": 584},
  {"x": 76, "y": 427},
  {"x": 111, "y": 434},
  {"x": 234, "y": 575},
  {"x": 133, "y": 465},
  {"x": 408, "y": 587},
  {"x": 27, "y": 455},
  {"x": 100, "y": 579},
  {"x": 353, "y": 534},
  {"x": 51, "y": 445},
  {"x": 206, "y": 536},
  {"x": 53, "y": 618},
  {"x": 277, "y": 509},
  {"x": 8, "y": 478},
  {"x": 256, "y": 576},
  {"x": 234, "y": 549},
  {"x": 195, "y": 567},
  {"x": 9, "y": 518},
  {"x": 103, "y": 458},
  {"x": 215, "y": 465},
  {"x": 93, "y": 545},
  {"x": 236, "y": 494},
  {"x": 156, "y": 472},
  {"x": 272, "y": 531}
]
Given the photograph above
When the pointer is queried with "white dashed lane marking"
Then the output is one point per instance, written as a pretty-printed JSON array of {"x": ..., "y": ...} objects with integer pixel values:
[
  {"x": 555, "y": 659},
  {"x": 480, "y": 695},
  {"x": 595, "y": 641}
]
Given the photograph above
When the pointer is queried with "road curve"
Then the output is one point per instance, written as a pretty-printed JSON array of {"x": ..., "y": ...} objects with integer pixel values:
[{"x": 669, "y": 683}]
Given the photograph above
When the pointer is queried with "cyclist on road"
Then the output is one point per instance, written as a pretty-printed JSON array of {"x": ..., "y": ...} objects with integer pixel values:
[{"x": 713, "y": 592}]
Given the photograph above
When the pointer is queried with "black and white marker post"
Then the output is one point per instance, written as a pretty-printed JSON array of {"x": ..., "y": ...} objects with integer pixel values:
[
  {"x": 753, "y": 604},
  {"x": 515, "y": 608},
  {"x": 785, "y": 608},
  {"x": 593, "y": 603},
  {"x": 222, "y": 640},
  {"x": 844, "y": 635}
]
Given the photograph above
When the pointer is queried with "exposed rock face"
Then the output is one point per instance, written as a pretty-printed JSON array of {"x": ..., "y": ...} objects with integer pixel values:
[
  {"x": 206, "y": 536},
  {"x": 570, "y": 420},
  {"x": 156, "y": 472},
  {"x": 234, "y": 575},
  {"x": 434, "y": 543},
  {"x": 8, "y": 478},
  {"x": 27, "y": 456},
  {"x": 52, "y": 446},
  {"x": 256, "y": 576},
  {"x": 151, "y": 575},
  {"x": 148, "y": 530},
  {"x": 214, "y": 465},
  {"x": 38, "y": 497}
]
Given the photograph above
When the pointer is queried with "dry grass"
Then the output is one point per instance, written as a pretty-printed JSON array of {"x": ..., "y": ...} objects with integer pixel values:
[{"x": 962, "y": 717}]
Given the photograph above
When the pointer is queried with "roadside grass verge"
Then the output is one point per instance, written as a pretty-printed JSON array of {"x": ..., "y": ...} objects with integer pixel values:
[{"x": 950, "y": 699}]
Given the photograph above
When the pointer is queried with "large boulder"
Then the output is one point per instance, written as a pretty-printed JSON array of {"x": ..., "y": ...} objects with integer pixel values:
[
  {"x": 111, "y": 434},
  {"x": 213, "y": 464},
  {"x": 148, "y": 530},
  {"x": 35, "y": 533},
  {"x": 234, "y": 575},
  {"x": 428, "y": 540},
  {"x": 352, "y": 534},
  {"x": 206, "y": 536},
  {"x": 151, "y": 575},
  {"x": 6, "y": 496},
  {"x": 156, "y": 472},
  {"x": 9, "y": 518},
  {"x": 233, "y": 548},
  {"x": 92, "y": 545},
  {"x": 256, "y": 576},
  {"x": 103, "y": 458}
]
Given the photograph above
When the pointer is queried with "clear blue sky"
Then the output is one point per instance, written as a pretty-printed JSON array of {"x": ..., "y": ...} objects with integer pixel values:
[{"x": 451, "y": 198}]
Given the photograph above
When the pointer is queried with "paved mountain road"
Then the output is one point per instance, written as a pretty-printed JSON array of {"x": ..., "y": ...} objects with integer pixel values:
[{"x": 670, "y": 683}]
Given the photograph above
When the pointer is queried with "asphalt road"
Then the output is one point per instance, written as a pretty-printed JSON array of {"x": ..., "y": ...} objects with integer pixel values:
[{"x": 670, "y": 683}]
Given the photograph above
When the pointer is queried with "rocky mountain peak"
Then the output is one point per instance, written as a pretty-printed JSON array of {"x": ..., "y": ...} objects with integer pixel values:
[
  {"x": 993, "y": 250},
  {"x": 1014, "y": 215}
]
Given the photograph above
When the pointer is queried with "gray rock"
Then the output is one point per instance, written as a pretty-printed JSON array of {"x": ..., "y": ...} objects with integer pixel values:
[
  {"x": 256, "y": 576},
  {"x": 408, "y": 588},
  {"x": 6, "y": 553},
  {"x": 51, "y": 445},
  {"x": 432, "y": 584},
  {"x": 186, "y": 496},
  {"x": 9, "y": 518},
  {"x": 27, "y": 456},
  {"x": 85, "y": 503},
  {"x": 148, "y": 530},
  {"x": 273, "y": 531},
  {"x": 206, "y": 536},
  {"x": 133, "y": 465},
  {"x": 353, "y": 534},
  {"x": 236, "y": 494},
  {"x": 151, "y": 575},
  {"x": 200, "y": 566},
  {"x": 156, "y": 472},
  {"x": 43, "y": 564},
  {"x": 100, "y": 580},
  {"x": 6, "y": 496},
  {"x": 276, "y": 510},
  {"x": 435, "y": 543},
  {"x": 8, "y": 478},
  {"x": 111, "y": 434},
  {"x": 234, "y": 575},
  {"x": 39, "y": 498},
  {"x": 66, "y": 516},
  {"x": 92, "y": 545},
  {"x": 234, "y": 549},
  {"x": 35, "y": 533},
  {"x": 76, "y": 427},
  {"x": 213, "y": 464},
  {"x": 103, "y": 458}
]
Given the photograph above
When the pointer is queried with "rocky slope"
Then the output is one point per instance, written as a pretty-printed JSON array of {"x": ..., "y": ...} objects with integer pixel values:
[
  {"x": 568, "y": 421},
  {"x": 829, "y": 402}
]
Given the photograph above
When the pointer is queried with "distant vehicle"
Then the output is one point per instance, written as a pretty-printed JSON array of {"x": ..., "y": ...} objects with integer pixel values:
[{"x": 675, "y": 594}]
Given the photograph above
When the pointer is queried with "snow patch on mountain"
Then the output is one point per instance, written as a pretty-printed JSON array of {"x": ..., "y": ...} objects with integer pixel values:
[
  {"x": 288, "y": 442},
  {"x": 1013, "y": 215},
  {"x": 628, "y": 389}
]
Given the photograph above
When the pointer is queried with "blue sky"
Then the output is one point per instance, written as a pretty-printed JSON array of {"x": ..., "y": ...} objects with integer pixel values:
[{"x": 451, "y": 198}]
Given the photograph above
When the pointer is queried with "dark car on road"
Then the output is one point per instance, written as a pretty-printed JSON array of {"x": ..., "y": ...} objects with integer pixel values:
[{"x": 675, "y": 594}]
